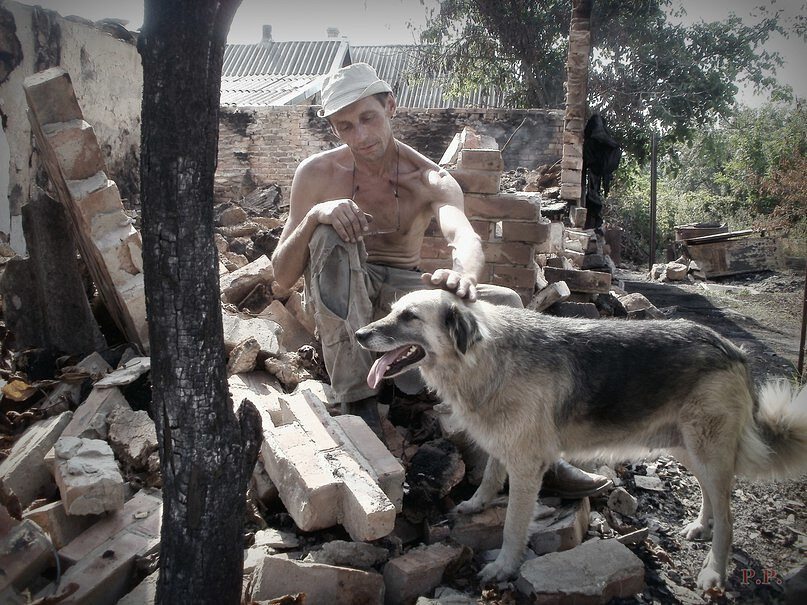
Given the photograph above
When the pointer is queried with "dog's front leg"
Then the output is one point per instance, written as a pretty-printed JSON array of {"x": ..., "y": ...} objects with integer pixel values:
[
  {"x": 490, "y": 486},
  {"x": 524, "y": 487}
]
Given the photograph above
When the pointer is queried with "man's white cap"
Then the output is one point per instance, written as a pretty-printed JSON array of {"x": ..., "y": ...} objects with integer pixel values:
[{"x": 348, "y": 85}]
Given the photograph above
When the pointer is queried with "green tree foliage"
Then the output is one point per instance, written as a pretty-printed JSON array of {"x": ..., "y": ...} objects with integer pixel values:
[
  {"x": 648, "y": 71},
  {"x": 750, "y": 170}
]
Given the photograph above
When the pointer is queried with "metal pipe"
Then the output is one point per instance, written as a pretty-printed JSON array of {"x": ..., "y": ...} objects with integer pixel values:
[
  {"x": 653, "y": 178},
  {"x": 803, "y": 331}
]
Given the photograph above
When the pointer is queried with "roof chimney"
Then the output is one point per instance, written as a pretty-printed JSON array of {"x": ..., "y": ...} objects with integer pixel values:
[
  {"x": 333, "y": 32},
  {"x": 267, "y": 33}
]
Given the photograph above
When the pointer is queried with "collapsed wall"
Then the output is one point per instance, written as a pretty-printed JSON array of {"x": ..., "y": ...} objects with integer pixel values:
[
  {"x": 260, "y": 146},
  {"x": 108, "y": 80}
]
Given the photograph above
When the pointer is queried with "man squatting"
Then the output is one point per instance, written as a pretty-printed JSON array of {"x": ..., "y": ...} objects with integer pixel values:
[{"x": 357, "y": 218}]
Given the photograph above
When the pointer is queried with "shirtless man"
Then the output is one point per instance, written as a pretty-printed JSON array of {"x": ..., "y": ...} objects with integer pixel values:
[{"x": 357, "y": 217}]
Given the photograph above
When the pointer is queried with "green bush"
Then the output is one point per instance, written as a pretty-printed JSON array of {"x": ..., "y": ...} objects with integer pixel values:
[{"x": 750, "y": 172}]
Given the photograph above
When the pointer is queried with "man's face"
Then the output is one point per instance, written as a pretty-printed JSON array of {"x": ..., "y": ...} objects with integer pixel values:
[{"x": 364, "y": 126}]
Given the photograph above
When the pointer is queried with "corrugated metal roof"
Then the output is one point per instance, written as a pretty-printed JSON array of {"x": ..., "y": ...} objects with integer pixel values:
[
  {"x": 286, "y": 58},
  {"x": 278, "y": 73},
  {"x": 283, "y": 73},
  {"x": 254, "y": 91},
  {"x": 400, "y": 66}
]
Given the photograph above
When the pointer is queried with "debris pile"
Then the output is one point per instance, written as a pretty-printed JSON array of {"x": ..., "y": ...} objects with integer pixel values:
[{"x": 333, "y": 512}]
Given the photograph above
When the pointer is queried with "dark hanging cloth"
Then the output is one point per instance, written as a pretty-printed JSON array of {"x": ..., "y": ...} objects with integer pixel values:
[{"x": 601, "y": 155}]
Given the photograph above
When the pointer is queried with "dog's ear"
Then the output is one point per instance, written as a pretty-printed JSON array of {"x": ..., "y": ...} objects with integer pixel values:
[{"x": 462, "y": 327}]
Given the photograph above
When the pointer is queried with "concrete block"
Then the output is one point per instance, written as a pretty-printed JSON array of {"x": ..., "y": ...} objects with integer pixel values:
[
  {"x": 584, "y": 310},
  {"x": 236, "y": 285},
  {"x": 238, "y": 328},
  {"x": 106, "y": 198},
  {"x": 594, "y": 572},
  {"x": 322, "y": 584},
  {"x": 104, "y": 224},
  {"x": 76, "y": 148},
  {"x": 127, "y": 373},
  {"x": 274, "y": 538},
  {"x": 243, "y": 356},
  {"x": 477, "y": 181},
  {"x": 305, "y": 480},
  {"x": 622, "y": 502},
  {"x": 511, "y": 253},
  {"x": 358, "y": 440},
  {"x": 551, "y": 294},
  {"x": 516, "y": 278},
  {"x": 51, "y": 93},
  {"x": 293, "y": 335},
  {"x": 349, "y": 554},
  {"x": 295, "y": 305},
  {"x": 262, "y": 485},
  {"x": 90, "y": 418},
  {"x": 481, "y": 531},
  {"x": 504, "y": 206},
  {"x": 636, "y": 306},
  {"x": 144, "y": 593},
  {"x": 309, "y": 452},
  {"x": 88, "y": 476},
  {"x": 366, "y": 512},
  {"x": 580, "y": 281},
  {"x": 61, "y": 527},
  {"x": 417, "y": 572},
  {"x": 25, "y": 552},
  {"x": 106, "y": 573},
  {"x": 311, "y": 417},
  {"x": 262, "y": 389},
  {"x": 562, "y": 530},
  {"x": 133, "y": 436},
  {"x": 380, "y": 463},
  {"x": 481, "y": 159},
  {"x": 536, "y": 232},
  {"x": 24, "y": 472},
  {"x": 141, "y": 515}
]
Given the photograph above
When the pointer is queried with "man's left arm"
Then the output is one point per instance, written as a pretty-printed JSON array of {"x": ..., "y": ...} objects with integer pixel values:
[{"x": 466, "y": 248}]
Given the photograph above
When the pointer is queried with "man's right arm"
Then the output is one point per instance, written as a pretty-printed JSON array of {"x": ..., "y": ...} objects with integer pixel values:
[{"x": 290, "y": 258}]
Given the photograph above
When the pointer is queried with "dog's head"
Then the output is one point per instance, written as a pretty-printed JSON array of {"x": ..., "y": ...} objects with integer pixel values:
[{"x": 427, "y": 326}]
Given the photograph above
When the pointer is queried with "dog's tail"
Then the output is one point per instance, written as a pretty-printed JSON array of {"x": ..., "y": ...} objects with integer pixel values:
[{"x": 774, "y": 444}]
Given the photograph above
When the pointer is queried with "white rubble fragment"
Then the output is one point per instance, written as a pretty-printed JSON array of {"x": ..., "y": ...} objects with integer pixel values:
[{"x": 88, "y": 476}]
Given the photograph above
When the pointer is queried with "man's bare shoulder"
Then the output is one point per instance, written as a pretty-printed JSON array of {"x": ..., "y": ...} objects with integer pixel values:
[
  {"x": 423, "y": 174},
  {"x": 325, "y": 164}
]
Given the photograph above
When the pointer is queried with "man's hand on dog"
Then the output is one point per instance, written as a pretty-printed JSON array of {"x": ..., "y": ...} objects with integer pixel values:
[{"x": 460, "y": 284}]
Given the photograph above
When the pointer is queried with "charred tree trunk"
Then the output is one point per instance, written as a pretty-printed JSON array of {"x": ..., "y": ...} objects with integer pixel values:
[{"x": 207, "y": 452}]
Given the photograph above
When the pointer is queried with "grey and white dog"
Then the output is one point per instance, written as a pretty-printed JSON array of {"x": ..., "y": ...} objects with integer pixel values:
[{"x": 529, "y": 388}]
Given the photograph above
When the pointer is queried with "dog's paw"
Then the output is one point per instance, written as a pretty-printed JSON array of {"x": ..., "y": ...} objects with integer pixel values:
[
  {"x": 697, "y": 530},
  {"x": 501, "y": 569},
  {"x": 709, "y": 579},
  {"x": 470, "y": 506}
]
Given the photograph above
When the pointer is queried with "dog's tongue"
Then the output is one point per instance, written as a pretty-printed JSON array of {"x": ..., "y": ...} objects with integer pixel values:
[{"x": 381, "y": 365}]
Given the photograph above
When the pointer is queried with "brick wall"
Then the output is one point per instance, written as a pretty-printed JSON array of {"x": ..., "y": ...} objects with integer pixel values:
[{"x": 263, "y": 145}]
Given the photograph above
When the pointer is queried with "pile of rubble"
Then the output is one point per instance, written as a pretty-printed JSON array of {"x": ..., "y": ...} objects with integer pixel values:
[{"x": 334, "y": 513}]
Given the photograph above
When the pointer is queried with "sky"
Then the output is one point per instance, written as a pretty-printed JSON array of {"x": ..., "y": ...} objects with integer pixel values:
[{"x": 390, "y": 22}]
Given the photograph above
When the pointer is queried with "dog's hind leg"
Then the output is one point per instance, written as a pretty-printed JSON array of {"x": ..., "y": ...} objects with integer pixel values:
[
  {"x": 490, "y": 486},
  {"x": 715, "y": 473},
  {"x": 524, "y": 488}
]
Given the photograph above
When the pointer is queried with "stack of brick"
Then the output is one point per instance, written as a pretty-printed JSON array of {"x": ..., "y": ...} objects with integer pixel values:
[
  {"x": 576, "y": 107},
  {"x": 108, "y": 242},
  {"x": 509, "y": 224}
]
